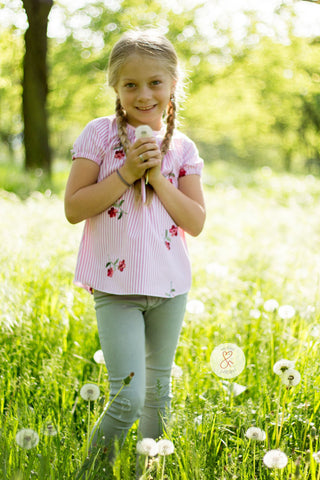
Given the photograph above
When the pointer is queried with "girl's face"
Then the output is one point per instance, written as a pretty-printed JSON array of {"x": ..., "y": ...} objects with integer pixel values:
[{"x": 144, "y": 89}]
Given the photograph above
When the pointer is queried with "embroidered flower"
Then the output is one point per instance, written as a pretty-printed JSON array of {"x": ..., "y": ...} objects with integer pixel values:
[
  {"x": 168, "y": 245},
  {"x": 119, "y": 154},
  {"x": 182, "y": 172},
  {"x": 112, "y": 212},
  {"x": 110, "y": 272},
  {"x": 122, "y": 265},
  {"x": 174, "y": 231}
]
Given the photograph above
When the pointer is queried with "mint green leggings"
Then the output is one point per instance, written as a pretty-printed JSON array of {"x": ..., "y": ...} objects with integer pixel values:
[{"x": 138, "y": 334}]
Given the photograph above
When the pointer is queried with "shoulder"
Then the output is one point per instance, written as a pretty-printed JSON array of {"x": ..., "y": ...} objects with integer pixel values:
[{"x": 103, "y": 126}]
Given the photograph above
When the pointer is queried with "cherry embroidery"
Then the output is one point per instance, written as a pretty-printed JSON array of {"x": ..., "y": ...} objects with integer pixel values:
[{"x": 113, "y": 266}]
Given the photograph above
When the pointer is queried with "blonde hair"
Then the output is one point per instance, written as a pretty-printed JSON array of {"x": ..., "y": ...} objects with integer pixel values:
[{"x": 145, "y": 42}]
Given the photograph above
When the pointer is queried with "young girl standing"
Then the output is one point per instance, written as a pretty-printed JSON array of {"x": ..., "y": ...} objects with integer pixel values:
[{"x": 133, "y": 256}]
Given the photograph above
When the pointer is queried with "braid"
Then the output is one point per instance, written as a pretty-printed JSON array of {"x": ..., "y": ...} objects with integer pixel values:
[
  {"x": 171, "y": 117},
  {"x": 122, "y": 125}
]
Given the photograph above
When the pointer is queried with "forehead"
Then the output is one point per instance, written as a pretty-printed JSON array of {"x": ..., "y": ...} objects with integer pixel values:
[{"x": 143, "y": 66}]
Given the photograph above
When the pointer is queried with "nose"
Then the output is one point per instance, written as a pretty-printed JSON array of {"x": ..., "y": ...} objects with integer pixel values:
[{"x": 144, "y": 93}]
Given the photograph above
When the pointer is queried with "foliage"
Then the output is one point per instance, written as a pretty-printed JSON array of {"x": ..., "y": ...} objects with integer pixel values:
[{"x": 260, "y": 242}]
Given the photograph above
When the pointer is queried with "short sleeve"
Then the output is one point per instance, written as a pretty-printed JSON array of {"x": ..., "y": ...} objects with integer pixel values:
[
  {"x": 90, "y": 144},
  {"x": 192, "y": 164}
]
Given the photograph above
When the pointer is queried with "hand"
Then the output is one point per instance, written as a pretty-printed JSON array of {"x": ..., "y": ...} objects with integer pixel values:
[{"x": 142, "y": 155}]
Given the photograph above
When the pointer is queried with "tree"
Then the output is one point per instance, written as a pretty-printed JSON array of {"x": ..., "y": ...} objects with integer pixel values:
[{"x": 35, "y": 87}]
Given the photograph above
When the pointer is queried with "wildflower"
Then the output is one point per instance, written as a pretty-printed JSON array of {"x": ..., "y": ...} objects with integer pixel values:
[
  {"x": 275, "y": 459},
  {"x": 90, "y": 392},
  {"x": 282, "y": 365},
  {"x": 176, "y": 371},
  {"x": 195, "y": 306},
  {"x": 286, "y": 311},
  {"x": 291, "y": 377},
  {"x": 165, "y": 447},
  {"x": 27, "y": 438},
  {"x": 255, "y": 433},
  {"x": 255, "y": 313},
  {"x": 98, "y": 357},
  {"x": 270, "y": 305},
  {"x": 147, "y": 446},
  {"x": 316, "y": 456},
  {"x": 198, "y": 420}
]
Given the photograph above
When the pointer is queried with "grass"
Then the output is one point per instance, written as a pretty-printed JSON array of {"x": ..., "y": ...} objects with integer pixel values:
[{"x": 261, "y": 242}]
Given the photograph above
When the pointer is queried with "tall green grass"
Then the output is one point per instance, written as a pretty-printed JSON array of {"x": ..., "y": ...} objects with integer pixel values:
[{"x": 261, "y": 241}]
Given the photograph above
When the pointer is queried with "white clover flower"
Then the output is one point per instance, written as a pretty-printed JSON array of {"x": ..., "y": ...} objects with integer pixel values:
[
  {"x": 255, "y": 433},
  {"x": 316, "y": 456},
  {"x": 286, "y": 311},
  {"x": 282, "y": 366},
  {"x": 98, "y": 357},
  {"x": 147, "y": 446},
  {"x": 176, "y": 371},
  {"x": 27, "y": 438},
  {"x": 165, "y": 447},
  {"x": 291, "y": 377},
  {"x": 255, "y": 313},
  {"x": 275, "y": 459},
  {"x": 270, "y": 305},
  {"x": 90, "y": 391},
  {"x": 195, "y": 306}
]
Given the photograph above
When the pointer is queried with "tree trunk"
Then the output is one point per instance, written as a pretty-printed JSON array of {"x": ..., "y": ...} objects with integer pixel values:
[{"x": 35, "y": 87}]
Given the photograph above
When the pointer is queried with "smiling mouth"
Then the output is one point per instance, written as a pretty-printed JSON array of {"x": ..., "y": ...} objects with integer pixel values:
[{"x": 145, "y": 109}]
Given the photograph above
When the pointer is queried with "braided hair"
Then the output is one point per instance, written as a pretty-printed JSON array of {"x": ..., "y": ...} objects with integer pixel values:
[{"x": 148, "y": 42}]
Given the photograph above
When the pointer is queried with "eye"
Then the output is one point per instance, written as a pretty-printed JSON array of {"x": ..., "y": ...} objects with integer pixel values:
[
  {"x": 130, "y": 85},
  {"x": 155, "y": 83}
]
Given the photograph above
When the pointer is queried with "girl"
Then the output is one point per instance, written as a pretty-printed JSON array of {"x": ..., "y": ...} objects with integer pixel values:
[{"x": 133, "y": 256}]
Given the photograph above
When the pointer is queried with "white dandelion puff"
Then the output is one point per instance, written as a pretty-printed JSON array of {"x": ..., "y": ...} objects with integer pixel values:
[
  {"x": 165, "y": 447},
  {"x": 255, "y": 433},
  {"x": 195, "y": 306},
  {"x": 291, "y": 377},
  {"x": 49, "y": 430},
  {"x": 275, "y": 459},
  {"x": 316, "y": 456},
  {"x": 286, "y": 312},
  {"x": 90, "y": 392},
  {"x": 255, "y": 313},
  {"x": 27, "y": 438},
  {"x": 281, "y": 366},
  {"x": 99, "y": 357},
  {"x": 147, "y": 446},
  {"x": 270, "y": 305},
  {"x": 176, "y": 371}
]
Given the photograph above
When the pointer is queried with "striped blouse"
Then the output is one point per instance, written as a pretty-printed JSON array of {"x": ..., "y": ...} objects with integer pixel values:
[{"x": 132, "y": 248}]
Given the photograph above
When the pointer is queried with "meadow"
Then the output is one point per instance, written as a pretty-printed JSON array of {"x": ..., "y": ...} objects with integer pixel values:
[{"x": 255, "y": 284}]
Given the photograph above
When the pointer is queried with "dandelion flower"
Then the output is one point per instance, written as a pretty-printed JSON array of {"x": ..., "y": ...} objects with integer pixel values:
[
  {"x": 176, "y": 371},
  {"x": 255, "y": 433},
  {"x": 291, "y": 377},
  {"x": 90, "y": 391},
  {"x": 316, "y": 456},
  {"x": 195, "y": 306},
  {"x": 270, "y": 305},
  {"x": 98, "y": 357},
  {"x": 282, "y": 365},
  {"x": 286, "y": 311},
  {"x": 27, "y": 438},
  {"x": 147, "y": 446},
  {"x": 275, "y": 459},
  {"x": 165, "y": 447}
]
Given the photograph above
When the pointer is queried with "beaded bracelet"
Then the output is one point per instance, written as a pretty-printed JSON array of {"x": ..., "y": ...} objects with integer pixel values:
[{"x": 122, "y": 179}]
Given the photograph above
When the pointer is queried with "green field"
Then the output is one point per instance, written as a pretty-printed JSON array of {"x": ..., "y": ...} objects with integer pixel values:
[{"x": 261, "y": 242}]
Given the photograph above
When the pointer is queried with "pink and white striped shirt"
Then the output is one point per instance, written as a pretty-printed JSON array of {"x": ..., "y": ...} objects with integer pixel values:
[{"x": 132, "y": 248}]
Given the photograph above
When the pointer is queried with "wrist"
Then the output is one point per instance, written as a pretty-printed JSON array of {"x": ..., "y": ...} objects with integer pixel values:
[{"x": 128, "y": 180}]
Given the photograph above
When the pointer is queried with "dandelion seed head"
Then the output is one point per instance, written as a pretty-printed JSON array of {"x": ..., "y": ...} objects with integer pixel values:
[
  {"x": 198, "y": 420},
  {"x": 255, "y": 313},
  {"x": 316, "y": 456},
  {"x": 286, "y": 312},
  {"x": 291, "y": 377},
  {"x": 27, "y": 438},
  {"x": 147, "y": 446},
  {"x": 49, "y": 430},
  {"x": 255, "y": 433},
  {"x": 195, "y": 306},
  {"x": 176, "y": 371},
  {"x": 90, "y": 392},
  {"x": 165, "y": 447},
  {"x": 275, "y": 459},
  {"x": 270, "y": 305},
  {"x": 281, "y": 366},
  {"x": 99, "y": 357}
]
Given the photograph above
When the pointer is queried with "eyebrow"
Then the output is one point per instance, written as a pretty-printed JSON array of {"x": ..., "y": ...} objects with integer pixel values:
[{"x": 128, "y": 79}]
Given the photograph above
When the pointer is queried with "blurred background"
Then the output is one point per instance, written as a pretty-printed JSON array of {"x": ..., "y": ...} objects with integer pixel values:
[{"x": 252, "y": 80}]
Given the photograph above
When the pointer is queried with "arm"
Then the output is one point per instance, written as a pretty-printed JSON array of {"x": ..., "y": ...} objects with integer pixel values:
[{"x": 184, "y": 204}]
